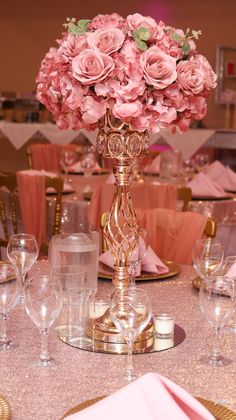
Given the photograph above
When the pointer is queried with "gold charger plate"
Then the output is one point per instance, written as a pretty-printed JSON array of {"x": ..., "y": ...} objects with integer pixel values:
[
  {"x": 174, "y": 269},
  {"x": 217, "y": 410},
  {"x": 5, "y": 411}
]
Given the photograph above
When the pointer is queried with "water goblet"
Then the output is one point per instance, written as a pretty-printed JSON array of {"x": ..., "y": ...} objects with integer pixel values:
[
  {"x": 67, "y": 158},
  {"x": 207, "y": 255},
  {"x": 9, "y": 293},
  {"x": 217, "y": 304},
  {"x": 43, "y": 302},
  {"x": 130, "y": 311},
  {"x": 138, "y": 255},
  {"x": 22, "y": 252},
  {"x": 201, "y": 162}
]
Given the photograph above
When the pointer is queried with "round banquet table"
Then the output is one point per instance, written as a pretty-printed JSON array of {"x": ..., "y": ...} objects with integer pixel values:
[{"x": 48, "y": 393}]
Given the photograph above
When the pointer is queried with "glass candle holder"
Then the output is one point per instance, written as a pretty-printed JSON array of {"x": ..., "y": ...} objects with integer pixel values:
[{"x": 164, "y": 325}]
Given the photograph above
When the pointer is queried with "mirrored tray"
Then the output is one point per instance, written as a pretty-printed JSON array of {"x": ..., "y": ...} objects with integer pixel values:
[
  {"x": 151, "y": 345},
  {"x": 106, "y": 273}
]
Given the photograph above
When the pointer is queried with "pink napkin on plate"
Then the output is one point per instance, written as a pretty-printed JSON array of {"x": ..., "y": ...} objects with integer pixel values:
[
  {"x": 154, "y": 166},
  {"x": 150, "y": 397},
  {"x": 77, "y": 167},
  {"x": 150, "y": 263},
  {"x": 203, "y": 186},
  {"x": 66, "y": 187},
  {"x": 224, "y": 176}
]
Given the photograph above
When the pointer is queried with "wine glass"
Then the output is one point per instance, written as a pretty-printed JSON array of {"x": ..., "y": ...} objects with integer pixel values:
[
  {"x": 88, "y": 162},
  {"x": 67, "y": 158},
  {"x": 138, "y": 255},
  {"x": 9, "y": 293},
  {"x": 43, "y": 302},
  {"x": 201, "y": 162},
  {"x": 229, "y": 270},
  {"x": 217, "y": 303},
  {"x": 130, "y": 311},
  {"x": 207, "y": 255},
  {"x": 22, "y": 252}
]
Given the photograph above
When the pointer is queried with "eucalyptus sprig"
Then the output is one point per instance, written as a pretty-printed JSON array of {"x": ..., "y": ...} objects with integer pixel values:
[
  {"x": 78, "y": 28},
  {"x": 141, "y": 35}
]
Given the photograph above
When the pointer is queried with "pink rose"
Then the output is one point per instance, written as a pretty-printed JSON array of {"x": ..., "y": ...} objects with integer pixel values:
[
  {"x": 90, "y": 67},
  {"x": 106, "y": 41},
  {"x": 72, "y": 45},
  {"x": 92, "y": 110},
  {"x": 107, "y": 21},
  {"x": 126, "y": 111},
  {"x": 190, "y": 77},
  {"x": 210, "y": 76},
  {"x": 137, "y": 21},
  {"x": 159, "y": 68}
]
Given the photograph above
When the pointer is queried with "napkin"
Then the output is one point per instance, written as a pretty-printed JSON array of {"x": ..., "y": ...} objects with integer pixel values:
[
  {"x": 203, "y": 186},
  {"x": 77, "y": 167},
  {"x": 154, "y": 166},
  {"x": 224, "y": 176},
  {"x": 150, "y": 397},
  {"x": 66, "y": 187},
  {"x": 150, "y": 263}
]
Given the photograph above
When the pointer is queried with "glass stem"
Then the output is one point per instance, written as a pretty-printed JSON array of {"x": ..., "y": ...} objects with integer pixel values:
[
  {"x": 216, "y": 343},
  {"x": 22, "y": 282},
  {"x": 129, "y": 360},
  {"x": 3, "y": 329},
  {"x": 44, "y": 356},
  {"x": 132, "y": 273}
]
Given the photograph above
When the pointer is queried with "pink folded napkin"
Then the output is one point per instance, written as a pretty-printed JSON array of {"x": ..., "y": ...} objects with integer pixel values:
[
  {"x": 203, "y": 186},
  {"x": 154, "y": 166},
  {"x": 224, "y": 176},
  {"x": 66, "y": 187},
  {"x": 150, "y": 397},
  {"x": 150, "y": 263},
  {"x": 77, "y": 167}
]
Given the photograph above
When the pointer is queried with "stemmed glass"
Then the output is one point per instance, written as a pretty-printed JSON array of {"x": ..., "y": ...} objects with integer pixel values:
[
  {"x": 217, "y": 303},
  {"x": 9, "y": 293},
  {"x": 201, "y": 162},
  {"x": 67, "y": 158},
  {"x": 88, "y": 162},
  {"x": 130, "y": 311},
  {"x": 138, "y": 255},
  {"x": 43, "y": 302},
  {"x": 208, "y": 256},
  {"x": 229, "y": 270},
  {"x": 22, "y": 252}
]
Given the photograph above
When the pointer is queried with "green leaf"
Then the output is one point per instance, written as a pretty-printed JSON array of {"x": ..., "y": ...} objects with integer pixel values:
[
  {"x": 143, "y": 33},
  {"x": 176, "y": 37},
  {"x": 185, "y": 48},
  {"x": 141, "y": 44},
  {"x": 83, "y": 23},
  {"x": 75, "y": 29}
]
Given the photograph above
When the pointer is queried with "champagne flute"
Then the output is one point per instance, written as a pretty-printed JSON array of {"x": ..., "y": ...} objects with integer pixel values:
[
  {"x": 22, "y": 252},
  {"x": 217, "y": 304},
  {"x": 138, "y": 255},
  {"x": 208, "y": 256},
  {"x": 131, "y": 312},
  {"x": 9, "y": 293},
  {"x": 43, "y": 302}
]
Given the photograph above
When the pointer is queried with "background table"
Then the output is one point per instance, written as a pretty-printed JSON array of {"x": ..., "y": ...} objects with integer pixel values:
[{"x": 47, "y": 394}]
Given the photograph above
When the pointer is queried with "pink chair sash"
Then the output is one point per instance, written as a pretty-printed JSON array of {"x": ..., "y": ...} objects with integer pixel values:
[
  {"x": 172, "y": 234},
  {"x": 143, "y": 196},
  {"x": 47, "y": 156},
  {"x": 32, "y": 201}
]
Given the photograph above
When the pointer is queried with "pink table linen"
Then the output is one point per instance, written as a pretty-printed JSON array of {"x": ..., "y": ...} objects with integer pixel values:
[
  {"x": 172, "y": 234},
  {"x": 224, "y": 176},
  {"x": 203, "y": 186},
  {"x": 47, "y": 156},
  {"x": 33, "y": 204},
  {"x": 150, "y": 397},
  {"x": 143, "y": 196},
  {"x": 150, "y": 263},
  {"x": 77, "y": 167}
]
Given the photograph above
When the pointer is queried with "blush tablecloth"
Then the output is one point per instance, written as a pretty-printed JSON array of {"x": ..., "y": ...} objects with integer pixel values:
[{"x": 47, "y": 394}]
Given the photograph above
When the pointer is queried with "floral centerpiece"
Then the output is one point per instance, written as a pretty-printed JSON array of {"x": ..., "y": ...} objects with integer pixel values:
[{"x": 149, "y": 74}]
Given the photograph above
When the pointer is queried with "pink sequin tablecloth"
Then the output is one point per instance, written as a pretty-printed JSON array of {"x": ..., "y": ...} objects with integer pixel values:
[{"x": 46, "y": 394}]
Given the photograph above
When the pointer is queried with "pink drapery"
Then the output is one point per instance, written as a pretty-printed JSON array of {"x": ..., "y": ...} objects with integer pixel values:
[
  {"x": 32, "y": 201},
  {"x": 47, "y": 156},
  {"x": 143, "y": 196},
  {"x": 172, "y": 234}
]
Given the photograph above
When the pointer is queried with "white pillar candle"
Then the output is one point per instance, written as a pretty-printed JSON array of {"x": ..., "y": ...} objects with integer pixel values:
[
  {"x": 159, "y": 344},
  {"x": 163, "y": 325}
]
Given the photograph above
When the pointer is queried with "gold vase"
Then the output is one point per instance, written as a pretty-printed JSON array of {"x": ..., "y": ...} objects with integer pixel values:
[{"x": 117, "y": 140}]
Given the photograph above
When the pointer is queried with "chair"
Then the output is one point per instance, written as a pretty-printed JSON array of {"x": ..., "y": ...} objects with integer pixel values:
[
  {"x": 46, "y": 156},
  {"x": 8, "y": 207},
  {"x": 184, "y": 194}
]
